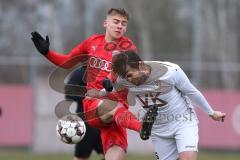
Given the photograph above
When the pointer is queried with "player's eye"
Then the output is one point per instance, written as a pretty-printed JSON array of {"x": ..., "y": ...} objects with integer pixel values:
[
  {"x": 124, "y": 23},
  {"x": 115, "y": 21}
]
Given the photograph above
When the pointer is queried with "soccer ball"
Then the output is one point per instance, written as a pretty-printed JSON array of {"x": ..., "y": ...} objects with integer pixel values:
[{"x": 70, "y": 129}]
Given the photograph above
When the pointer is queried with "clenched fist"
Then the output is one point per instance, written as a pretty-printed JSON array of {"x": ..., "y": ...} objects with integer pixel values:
[{"x": 218, "y": 116}]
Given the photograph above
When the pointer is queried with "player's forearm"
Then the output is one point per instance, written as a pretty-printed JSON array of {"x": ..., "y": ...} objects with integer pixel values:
[
  {"x": 200, "y": 100},
  {"x": 186, "y": 87},
  {"x": 64, "y": 61},
  {"x": 203, "y": 104},
  {"x": 196, "y": 96}
]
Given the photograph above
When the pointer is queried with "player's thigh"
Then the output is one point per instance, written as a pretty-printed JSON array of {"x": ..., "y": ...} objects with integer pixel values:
[
  {"x": 90, "y": 112},
  {"x": 106, "y": 106},
  {"x": 187, "y": 140},
  {"x": 114, "y": 135},
  {"x": 107, "y": 109},
  {"x": 165, "y": 148}
]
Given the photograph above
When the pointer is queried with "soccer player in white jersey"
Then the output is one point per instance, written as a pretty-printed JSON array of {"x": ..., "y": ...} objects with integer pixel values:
[{"x": 164, "y": 85}]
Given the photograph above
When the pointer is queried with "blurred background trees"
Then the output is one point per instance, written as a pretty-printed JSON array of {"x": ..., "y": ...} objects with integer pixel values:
[{"x": 202, "y": 36}]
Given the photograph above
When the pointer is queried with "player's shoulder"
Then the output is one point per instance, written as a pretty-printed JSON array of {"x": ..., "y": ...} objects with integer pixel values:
[
  {"x": 165, "y": 63},
  {"x": 165, "y": 70},
  {"x": 128, "y": 44},
  {"x": 170, "y": 64},
  {"x": 96, "y": 37}
]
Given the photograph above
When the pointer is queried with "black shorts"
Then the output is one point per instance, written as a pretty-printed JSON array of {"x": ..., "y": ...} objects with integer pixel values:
[{"x": 91, "y": 141}]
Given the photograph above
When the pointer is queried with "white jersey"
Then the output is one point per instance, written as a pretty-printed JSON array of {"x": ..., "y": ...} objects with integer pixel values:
[
  {"x": 175, "y": 129},
  {"x": 170, "y": 89}
]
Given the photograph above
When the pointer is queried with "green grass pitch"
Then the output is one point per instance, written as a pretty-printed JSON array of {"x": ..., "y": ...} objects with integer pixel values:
[{"x": 24, "y": 155}]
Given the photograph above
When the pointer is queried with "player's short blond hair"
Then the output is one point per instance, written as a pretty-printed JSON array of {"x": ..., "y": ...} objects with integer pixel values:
[{"x": 120, "y": 11}]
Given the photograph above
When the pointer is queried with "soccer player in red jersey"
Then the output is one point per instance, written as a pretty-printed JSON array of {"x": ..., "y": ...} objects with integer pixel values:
[{"x": 112, "y": 117}]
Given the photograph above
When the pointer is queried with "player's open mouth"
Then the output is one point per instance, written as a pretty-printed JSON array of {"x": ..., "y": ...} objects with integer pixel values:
[{"x": 118, "y": 32}]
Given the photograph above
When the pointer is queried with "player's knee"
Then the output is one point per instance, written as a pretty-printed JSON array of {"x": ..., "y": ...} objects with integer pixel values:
[
  {"x": 107, "y": 112},
  {"x": 109, "y": 116},
  {"x": 106, "y": 107}
]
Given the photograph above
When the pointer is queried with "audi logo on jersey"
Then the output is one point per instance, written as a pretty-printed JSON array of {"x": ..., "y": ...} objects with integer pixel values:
[{"x": 98, "y": 63}]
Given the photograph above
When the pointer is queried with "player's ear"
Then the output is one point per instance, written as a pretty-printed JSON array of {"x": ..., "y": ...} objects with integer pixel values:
[
  {"x": 105, "y": 23},
  {"x": 140, "y": 64}
]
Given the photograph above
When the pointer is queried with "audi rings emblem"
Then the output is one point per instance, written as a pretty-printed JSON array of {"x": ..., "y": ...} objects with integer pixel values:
[{"x": 99, "y": 63}]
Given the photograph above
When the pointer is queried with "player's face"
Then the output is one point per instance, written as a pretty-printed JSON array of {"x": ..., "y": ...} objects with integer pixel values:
[
  {"x": 136, "y": 76},
  {"x": 116, "y": 26}
]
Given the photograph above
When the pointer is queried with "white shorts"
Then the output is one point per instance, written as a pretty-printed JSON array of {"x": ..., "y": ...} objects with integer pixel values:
[{"x": 168, "y": 146}]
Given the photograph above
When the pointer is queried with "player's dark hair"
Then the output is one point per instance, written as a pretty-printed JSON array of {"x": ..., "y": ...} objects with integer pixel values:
[
  {"x": 120, "y": 11},
  {"x": 121, "y": 60}
]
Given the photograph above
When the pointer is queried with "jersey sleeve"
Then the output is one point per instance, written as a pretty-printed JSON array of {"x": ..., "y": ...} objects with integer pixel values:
[
  {"x": 183, "y": 84},
  {"x": 76, "y": 55}
]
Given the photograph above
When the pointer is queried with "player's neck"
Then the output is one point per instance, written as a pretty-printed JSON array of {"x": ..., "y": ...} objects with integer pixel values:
[{"x": 109, "y": 38}]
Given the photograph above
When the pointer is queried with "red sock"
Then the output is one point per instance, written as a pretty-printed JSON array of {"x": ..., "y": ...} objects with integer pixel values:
[{"x": 126, "y": 119}]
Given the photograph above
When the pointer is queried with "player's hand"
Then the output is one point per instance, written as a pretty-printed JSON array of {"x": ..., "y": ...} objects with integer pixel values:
[
  {"x": 40, "y": 43},
  {"x": 107, "y": 84},
  {"x": 218, "y": 116}
]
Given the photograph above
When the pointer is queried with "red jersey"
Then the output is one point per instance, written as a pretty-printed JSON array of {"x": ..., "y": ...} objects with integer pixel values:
[{"x": 98, "y": 54}]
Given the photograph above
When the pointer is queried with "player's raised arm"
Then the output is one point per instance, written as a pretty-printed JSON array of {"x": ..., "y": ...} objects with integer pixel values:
[
  {"x": 186, "y": 87},
  {"x": 41, "y": 44},
  {"x": 63, "y": 60}
]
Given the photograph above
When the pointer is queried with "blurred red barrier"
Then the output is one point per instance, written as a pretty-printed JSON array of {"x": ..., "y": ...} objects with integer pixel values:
[
  {"x": 221, "y": 135},
  {"x": 16, "y": 120}
]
